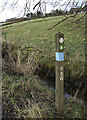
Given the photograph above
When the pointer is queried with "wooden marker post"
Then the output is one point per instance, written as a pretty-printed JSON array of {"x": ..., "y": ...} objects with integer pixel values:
[
  {"x": 59, "y": 97},
  {"x": 5, "y": 36}
]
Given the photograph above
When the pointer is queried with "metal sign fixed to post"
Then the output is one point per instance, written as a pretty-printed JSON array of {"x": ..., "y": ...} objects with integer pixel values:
[{"x": 59, "y": 97}]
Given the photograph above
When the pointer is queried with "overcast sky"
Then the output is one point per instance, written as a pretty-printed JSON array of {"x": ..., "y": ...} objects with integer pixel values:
[{"x": 9, "y": 12}]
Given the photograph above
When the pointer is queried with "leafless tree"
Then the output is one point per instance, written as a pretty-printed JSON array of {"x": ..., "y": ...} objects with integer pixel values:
[
  {"x": 54, "y": 3},
  {"x": 41, "y": 3}
]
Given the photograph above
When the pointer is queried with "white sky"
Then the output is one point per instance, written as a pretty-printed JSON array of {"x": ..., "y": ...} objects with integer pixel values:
[{"x": 8, "y": 12}]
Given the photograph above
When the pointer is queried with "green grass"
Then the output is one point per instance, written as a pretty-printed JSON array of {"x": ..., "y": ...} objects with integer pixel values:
[
  {"x": 28, "y": 97},
  {"x": 35, "y": 33},
  {"x": 31, "y": 99}
]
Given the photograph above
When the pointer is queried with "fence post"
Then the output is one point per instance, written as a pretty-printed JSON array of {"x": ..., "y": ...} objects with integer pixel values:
[
  {"x": 5, "y": 36},
  {"x": 59, "y": 97}
]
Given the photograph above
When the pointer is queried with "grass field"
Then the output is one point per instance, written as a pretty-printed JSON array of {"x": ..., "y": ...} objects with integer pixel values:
[
  {"x": 33, "y": 39},
  {"x": 26, "y": 97},
  {"x": 35, "y": 33}
]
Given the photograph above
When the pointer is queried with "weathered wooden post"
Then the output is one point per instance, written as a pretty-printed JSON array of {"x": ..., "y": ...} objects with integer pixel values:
[
  {"x": 5, "y": 36},
  {"x": 59, "y": 97}
]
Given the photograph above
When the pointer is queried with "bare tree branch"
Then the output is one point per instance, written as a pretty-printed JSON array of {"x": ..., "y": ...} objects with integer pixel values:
[
  {"x": 56, "y": 3},
  {"x": 4, "y": 6},
  {"x": 73, "y": 16},
  {"x": 80, "y": 18},
  {"x": 36, "y": 5},
  {"x": 80, "y": 9}
]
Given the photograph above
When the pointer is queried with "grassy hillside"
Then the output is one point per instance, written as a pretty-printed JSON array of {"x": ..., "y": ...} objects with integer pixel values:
[
  {"x": 35, "y": 33},
  {"x": 34, "y": 36},
  {"x": 29, "y": 46}
]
